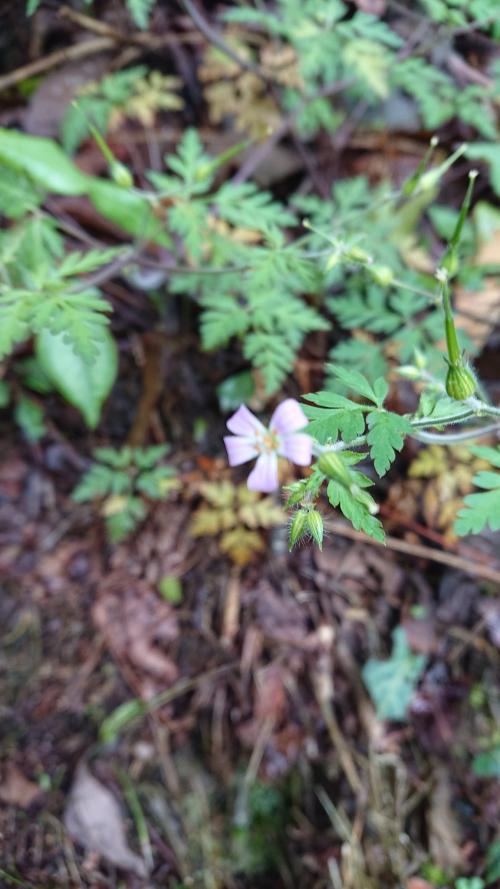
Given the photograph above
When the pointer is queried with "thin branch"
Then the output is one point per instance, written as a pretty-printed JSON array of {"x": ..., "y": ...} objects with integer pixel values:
[
  {"x": 418, "y": 550},
  {"x": 213, "y": 37}
]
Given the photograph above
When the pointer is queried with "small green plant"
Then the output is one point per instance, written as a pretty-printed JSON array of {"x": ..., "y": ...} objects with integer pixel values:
[
  {"x": 123, "y": 481},
  {"x": 392, "y": 682},
  {"x": 236, "y": 517}
]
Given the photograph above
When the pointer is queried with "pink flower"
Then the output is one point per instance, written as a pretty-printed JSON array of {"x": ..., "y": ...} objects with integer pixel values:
[{"x": 252, "y": 439}]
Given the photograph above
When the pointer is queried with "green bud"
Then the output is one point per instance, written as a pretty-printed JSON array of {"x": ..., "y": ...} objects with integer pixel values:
[
  {"x": 298, "y": 527},
  {"x": 314, "y": 524},
  {"x": 382, "y": 274},
  {"x": 356, "y": 254},
  {"x": 121, "y": 174},
  {"x": 332, "y": 465},
  {"x": 460, "y": 382},
  {"x": 409, "y": 372}
]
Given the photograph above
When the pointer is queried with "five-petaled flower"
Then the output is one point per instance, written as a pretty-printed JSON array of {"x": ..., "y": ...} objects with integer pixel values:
[{"x": 251, "y": 439}]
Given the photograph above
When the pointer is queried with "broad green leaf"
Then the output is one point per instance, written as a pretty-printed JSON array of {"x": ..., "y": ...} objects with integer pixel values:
[
  {"x": 386, "y": 435},
  {"x": 43, "y": 161},
  {"x": 127, "y": 209},
  {"x": 85, "y": 385},
  {"x": 391, "y": 683}
]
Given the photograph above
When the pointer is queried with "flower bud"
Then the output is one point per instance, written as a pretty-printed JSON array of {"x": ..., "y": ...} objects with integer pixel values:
[
  {"x": 314, "y": 524},
  {"x": 332, "y": 465},
  {"x": 409, "y": 372},
  {"x": 460, "y": 382},
  {"x": 356, "y": 254},
  {"x": 382, "y": 274},
  {"x": 298, "y": 527},
  {"x": 121, "y": 174}
]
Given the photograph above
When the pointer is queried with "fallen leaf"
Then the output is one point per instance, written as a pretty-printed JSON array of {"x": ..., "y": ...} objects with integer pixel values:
[
  {"x": 16, "y": 790},
  {"x": 94, "y": 820},
  {"x": 138, "y": 625}
]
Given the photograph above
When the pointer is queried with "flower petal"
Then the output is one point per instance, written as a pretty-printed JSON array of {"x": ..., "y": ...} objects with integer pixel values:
[
  {"x": 288, "y": 417},
  {"x": 239, "y": 449},
  {"x": 243, "y": 422},
  {"x": 264, "y": 476},
  {"x": 297, "y": 448}
]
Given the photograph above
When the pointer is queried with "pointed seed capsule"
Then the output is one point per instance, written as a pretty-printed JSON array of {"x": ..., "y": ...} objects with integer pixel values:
[
  {"x": 315, "y": 526},
  {"x": 460, "y": 382},
  {"x": 298, "y": 527}
]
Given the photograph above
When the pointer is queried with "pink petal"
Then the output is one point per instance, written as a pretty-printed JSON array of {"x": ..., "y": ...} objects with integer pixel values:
[
  {"x": 297, "y": 448},
  {"x": 264, "y": 476},
  {"x": 239, "y": 449},
  {"x": 243, "y": 422},
  {"x": 288, "y": 417}
]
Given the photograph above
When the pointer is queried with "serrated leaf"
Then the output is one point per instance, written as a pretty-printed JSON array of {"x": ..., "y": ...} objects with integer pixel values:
[
  {"x": 387, "y": 432},
  {"x": 18, "y": 195},
  {"x": 356, "y": 510},
  {"x": 85, "y": 385},
  {"x": 482, "y": 509},
  {"x": 391, "y": 683}
]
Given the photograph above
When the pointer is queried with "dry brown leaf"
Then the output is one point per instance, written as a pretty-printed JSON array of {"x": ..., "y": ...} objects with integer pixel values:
[
  {"x": 137, "y": 625},
  {"x": 485, "y": 304},
  {"x": 94, "y": 820},
  {"x": 16, "y": 789}
]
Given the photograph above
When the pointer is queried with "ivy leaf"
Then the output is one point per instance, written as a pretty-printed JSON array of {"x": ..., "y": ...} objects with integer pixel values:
[
  {"x": 482, "y": 509},
  {"x": 386, "y": 436},
  {"x": 391, "y": 683}
]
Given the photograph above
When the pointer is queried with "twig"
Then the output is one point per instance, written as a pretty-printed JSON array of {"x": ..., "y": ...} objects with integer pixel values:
[
  {"x": 59, "y": 57},
  {"x": 417, "y": 550},
  {"x": 214, "y": 38}
]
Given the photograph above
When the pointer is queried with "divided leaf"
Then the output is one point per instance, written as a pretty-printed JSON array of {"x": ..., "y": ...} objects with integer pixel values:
[
  {"x": 482, "y": 509},
  {"x": 386, "y": 435}
]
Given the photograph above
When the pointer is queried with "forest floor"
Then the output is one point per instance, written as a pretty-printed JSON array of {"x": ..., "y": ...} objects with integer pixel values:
[{"x": 217, "y": 733}]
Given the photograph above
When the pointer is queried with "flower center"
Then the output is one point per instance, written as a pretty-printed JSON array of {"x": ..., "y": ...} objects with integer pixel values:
[{"x": 266, "y": 442}]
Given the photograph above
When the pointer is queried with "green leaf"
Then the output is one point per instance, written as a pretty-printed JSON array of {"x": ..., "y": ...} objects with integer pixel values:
[
  {"x": 43, "y": 161},
  {"x": 18, "y": 195},
  {"x": 487, "y": 763},
  {"x": 493, "y": 862},
  {"x": 140, "y": 11},
  {"x": 490, "y": 153},
  {"x": 235, "y": 390},
  {"x": 247, "y": 206},
  {"x": 392, "y": 682},
  {"x": 122, "y": 523},
  {"x": 130, "y": 211},
  {"x": 30, "y": 416},
  {"x": 482, "y": 509},
  {"x": 386, "y": 435},
  {"x": 357, "y": 507},
  {"x": 4, "y": 394},
  {"x": 356, "y": 382},
  {"x": 334, "y": 414},
  {"x": 85, "y": 385}
]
